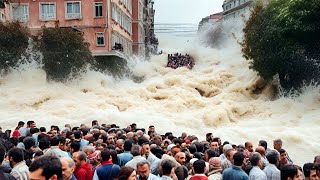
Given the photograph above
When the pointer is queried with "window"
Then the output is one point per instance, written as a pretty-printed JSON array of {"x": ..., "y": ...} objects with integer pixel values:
[
  {"x": 73, "y": 10},
  {"x": 98, "y": 9},
  {"x": 100, "y": 39},
  {"x": 20, "y": 12},
  {"x": 47, "y": 11}
]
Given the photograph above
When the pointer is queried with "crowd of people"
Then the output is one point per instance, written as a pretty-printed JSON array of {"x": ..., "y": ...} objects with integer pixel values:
[
  {"x": 107, "y": 152},
  {"x": 118, "y": 46},
  {"x": 177, "y": 60}
]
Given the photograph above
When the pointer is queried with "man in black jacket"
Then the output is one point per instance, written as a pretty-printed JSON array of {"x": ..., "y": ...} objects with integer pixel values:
[{"x": 3, "y": 175}]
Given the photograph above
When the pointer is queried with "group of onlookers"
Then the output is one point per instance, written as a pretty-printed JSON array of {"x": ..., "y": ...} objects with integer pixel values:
[
  {"x": 177, "y": 60},
  {"x": 106, "y": 152}
]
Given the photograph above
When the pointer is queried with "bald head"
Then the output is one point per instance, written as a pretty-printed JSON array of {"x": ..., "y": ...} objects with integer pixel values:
[
  {"x": 180, "y": 157},
  {"x": 317, "y": 160},
  {"x": 261, "y": 150}
]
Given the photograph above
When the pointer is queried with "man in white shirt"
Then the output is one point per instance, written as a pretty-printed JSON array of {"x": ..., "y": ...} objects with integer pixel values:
[
  {"x": 256, "y": 173},
  {"x": 20, "y": 170},
  {"x": 144, "y": 171},
  {"x": 135, "y": 151},
  {"x": 271, "y": 170}
]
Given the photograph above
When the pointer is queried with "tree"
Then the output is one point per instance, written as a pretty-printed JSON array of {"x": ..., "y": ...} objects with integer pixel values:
[
  {"x": 283, "y": 39},
  {"x": 13, "y": 43},
  {"x": 65, "y": 53}
]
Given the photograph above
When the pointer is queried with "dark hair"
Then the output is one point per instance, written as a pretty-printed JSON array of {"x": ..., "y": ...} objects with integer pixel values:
[
  {"x": 264, "y": 144},
  {"x": 43, "y": 129},
  {"x": 114, "y": 156},
  {"x": 28, "y": 142},
  {"x": 96, "y": 136},
  {"x": 255, "y": 158},
  {"x": 307, "y": 168},
  {"x": 44, "y": 143},
  {"x": 38, "y": 153},
  {"x": 238, "y": 158},
  {"x": 85, "y": 131},
  {"x": 273, "y": 157},
  {"x": 199, "y": 166},
  {"x": 166, "y": 167},
  {"x": 127, "y": 145},
  {"x": 77, "y": 135},
  {"x": 74, "y": 129},
  {"x": 50, "y": 166},
  {"x": 193, "y": 149},
  {"x": 288, "y": 171},
  {"x": 2, "y": 153},
  {"x": 177, "y": 141},
  {"x": 17, "y": 154},
  {"x": 20, "y": 123},
  {"x": 282, "y": 151},
  {"x": 34, "y": 130},
  {"x": 30, "y": 122},
  {"x": 75, "y": 145},
  {"x": 54, "y": 141},
  {"x": 94, "y": 122},
  {"x": 104, "y": 138},
  {"x": 216, "y": 139},
  {"x": 142, "y": 140},
  {"x": 105, "y": 155},
  {"x": 125, "y": 173},
  {"x": 68, "y": 134}
]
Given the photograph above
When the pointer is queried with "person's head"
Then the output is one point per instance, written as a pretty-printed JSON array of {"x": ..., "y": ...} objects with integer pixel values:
[
  {"x": 167, "y": 167},
  {"x": 238, "y": 158},
  {"x": 20, "y": 124},
  {"x": 310, "y": 171},
  {"x": 127, "y": 173},
  {"x": 110, "y": 140},
  {"x": 31, "y": 124},
  {"x": 261, "y": 150},
  {"x": 264, "y": 144},
  {"x": 199, "y": 167},
  {"x": 283, "y": 154},
  {"x": 226, "y": 148},
  {"x": 145, "y": 149},
  {"x": 214, "y": 145},
  {"x": 79, "y": 158},
  {"x": 209, "y": 137},
  {"x": 105, "y": 155},
  {"x": 143, "y": 169},
  {"x": 256, "y": 160},
  {"x": 95, "y": 123},
  {"x": 209, "y": 153},
  {"x": 230, "y": 153},
  {"x": 316, "y": 160},
  {"x": 215, "y": 162},
  {"x": 28, "y": 142},
  {"x": 54, "y": 141},
  {"x": 37, "y": 154},
  {"x": 277, "y": 144},
  {"x": 180, "y": 157},
  {"x": 127, "y": 145},
  {"x": 289, "y": 172},
  {"x": 68, "y": 167},
  {"x": 135, "y": 150},
  {"x": 75, "y": 146},
  {"x": 15, "y": 156},
  {"x": 249, "y": 146},
  {"x": 273, "y": 157},
  {"x": 45, "y": 167}
]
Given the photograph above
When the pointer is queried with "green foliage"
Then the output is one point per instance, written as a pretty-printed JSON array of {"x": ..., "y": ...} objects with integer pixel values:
[
  {"x": 65, "y": 53},
  {"x": 113, "y": 65},
  {"x": 13, "y": 43},
  {"x": 284, "y": 39}
]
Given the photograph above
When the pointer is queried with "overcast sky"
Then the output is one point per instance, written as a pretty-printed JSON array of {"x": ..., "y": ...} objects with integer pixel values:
[{"x": 185, "y": 11}]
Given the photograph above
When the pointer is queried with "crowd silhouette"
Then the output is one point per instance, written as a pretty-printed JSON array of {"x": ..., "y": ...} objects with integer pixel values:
[{"x": 178, "y": 60}]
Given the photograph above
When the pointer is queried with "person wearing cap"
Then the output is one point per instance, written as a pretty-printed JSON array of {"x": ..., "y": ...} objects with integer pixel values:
[{"x": 215, "y": 170}]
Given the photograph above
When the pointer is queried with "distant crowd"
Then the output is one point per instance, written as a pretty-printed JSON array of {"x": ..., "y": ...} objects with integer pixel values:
[
  {"x": 118, "y": 46},
  {"x": 177, "y": 60},
  {"x": 107, "y": 152}
]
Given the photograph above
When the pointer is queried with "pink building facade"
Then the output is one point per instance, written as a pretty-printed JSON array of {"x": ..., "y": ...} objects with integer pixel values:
[{"x": 103, "y": 22}]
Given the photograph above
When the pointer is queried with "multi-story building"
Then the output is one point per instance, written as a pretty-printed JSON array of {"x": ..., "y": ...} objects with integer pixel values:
[
  {"x": 138, "y": 27},
  {"x": 236, "y": 8},
  {"x": 209, "y": 20},
  {"x": 143, "y": 27},
  {"x": 103, "y": 23}
]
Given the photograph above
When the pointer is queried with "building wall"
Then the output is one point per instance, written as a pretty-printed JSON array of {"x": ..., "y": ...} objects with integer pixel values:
[{"x": 138, "y": 27}]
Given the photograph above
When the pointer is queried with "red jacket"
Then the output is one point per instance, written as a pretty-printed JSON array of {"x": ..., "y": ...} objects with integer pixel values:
[
  {"x": 16, "y": 133},
  {"x": 197, "y": 177},
  {"x": 84, "y": 172}
]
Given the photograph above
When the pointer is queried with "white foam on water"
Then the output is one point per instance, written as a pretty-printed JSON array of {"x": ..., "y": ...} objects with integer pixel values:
[{"x": 217, "y": 96}]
